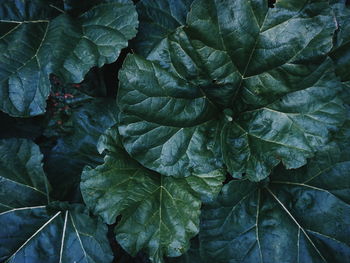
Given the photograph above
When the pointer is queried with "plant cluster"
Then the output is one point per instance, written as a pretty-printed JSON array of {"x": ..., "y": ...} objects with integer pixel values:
[{"x": 175, "y": 131}]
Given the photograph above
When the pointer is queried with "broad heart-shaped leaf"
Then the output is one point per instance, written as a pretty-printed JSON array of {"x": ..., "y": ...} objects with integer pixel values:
[
  {"x": 289, "y": 129},
  {"x": 299, "y": 216},
  {"x": 259, "y": 66},
  {"x": 170, "y": 126},
  {"x": 167, "y": 124},
  {"x": 341, "y": 51},
  {"x": 35, "y": 41},
  {"x": 40, "y": 234},
  {"x": 33, "y": 231},
  {"x": 22, "y": 179},
  {"x": 159, "y": 214},
  {"x": 157, "y": 20}
]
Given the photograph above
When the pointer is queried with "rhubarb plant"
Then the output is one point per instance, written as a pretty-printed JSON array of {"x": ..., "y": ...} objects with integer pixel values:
[{"x": 175, "y": 131}]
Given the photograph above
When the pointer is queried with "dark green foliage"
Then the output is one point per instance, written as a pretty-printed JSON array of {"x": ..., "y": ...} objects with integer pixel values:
[
  {"x": 175, "y": 131},
  {"x": 254, "y": 67},
  {"x": 34, "y": 228},
  {"x": 38, "y": 39}
]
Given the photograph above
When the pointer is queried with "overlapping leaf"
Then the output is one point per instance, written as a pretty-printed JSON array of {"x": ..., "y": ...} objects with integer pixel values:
[
  {"x": 157, "y": 20},
  {"x": 299, "y": 216},
  {"x": 32, "y": 230},
  {"x": 168, "y": 132},
  {"x": 159, "y": 213},
  {"x": 255, "y": 73},
  {"x": 41, "y": 235},
  {"x": 22, "y": 179},
  {"x": 37, "y": 40},
  {"x": 288, "y": 130},
  {"x": 65, "y": 161}
]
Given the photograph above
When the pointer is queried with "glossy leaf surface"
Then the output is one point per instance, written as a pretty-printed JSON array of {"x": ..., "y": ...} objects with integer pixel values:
[
  {"x": 179, "y": 121},
  {"x": 157, "y": 20},
  {"x": 249, "y": 88},
  {"x": 159, "y": 213},
  {"x": 36, "y": 234},
  {"x": 22, "y": 179},
  {"x": 35, "y": 231},
  {"x": 37, "y": 40},
  {"x": 299, "y": 216}
]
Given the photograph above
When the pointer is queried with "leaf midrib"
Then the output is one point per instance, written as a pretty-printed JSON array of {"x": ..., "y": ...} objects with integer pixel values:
[
  {"x": 297, "y": 223},
  {"x": 32, "y": 236},
  {"x": 25, "y": 21},
  {"x": 25, "y": 185},
  {"x": 243, "y": 75}
]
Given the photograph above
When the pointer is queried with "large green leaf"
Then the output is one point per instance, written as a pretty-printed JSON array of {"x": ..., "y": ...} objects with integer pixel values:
[
  {"x": 299, "y": 216},
  {"x": 33, "y": 231},
  {"x": 159, "y": 213},
  {"x": 255, "y": 73},
  {"x": 40, "y": 234},
  {"x": 36, "y": 40},
  {"x": 168, "y": 130},
  {"x": 22, "y": 179},
  {"x": 341, "y": 51},
  {"x": 288, "y": 130}
]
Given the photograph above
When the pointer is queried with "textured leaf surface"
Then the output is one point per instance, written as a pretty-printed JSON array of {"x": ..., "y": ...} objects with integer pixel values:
[
  {"x": 157, "y": 20},
  {"x": 341, "y": 51},
  {"x": 35, "y": 41},
  {"x": 36, "y": 234},
  {"x": 159, "y": 213},
  {"x": 33, "y": 231},
  {"x": 169, "y": 128},
  {"x": 299, "y": 216},
  {"x": 22, "y": 179},
  {"x": 288, "y": 130},
  {"x": 258, "y": 68}
]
